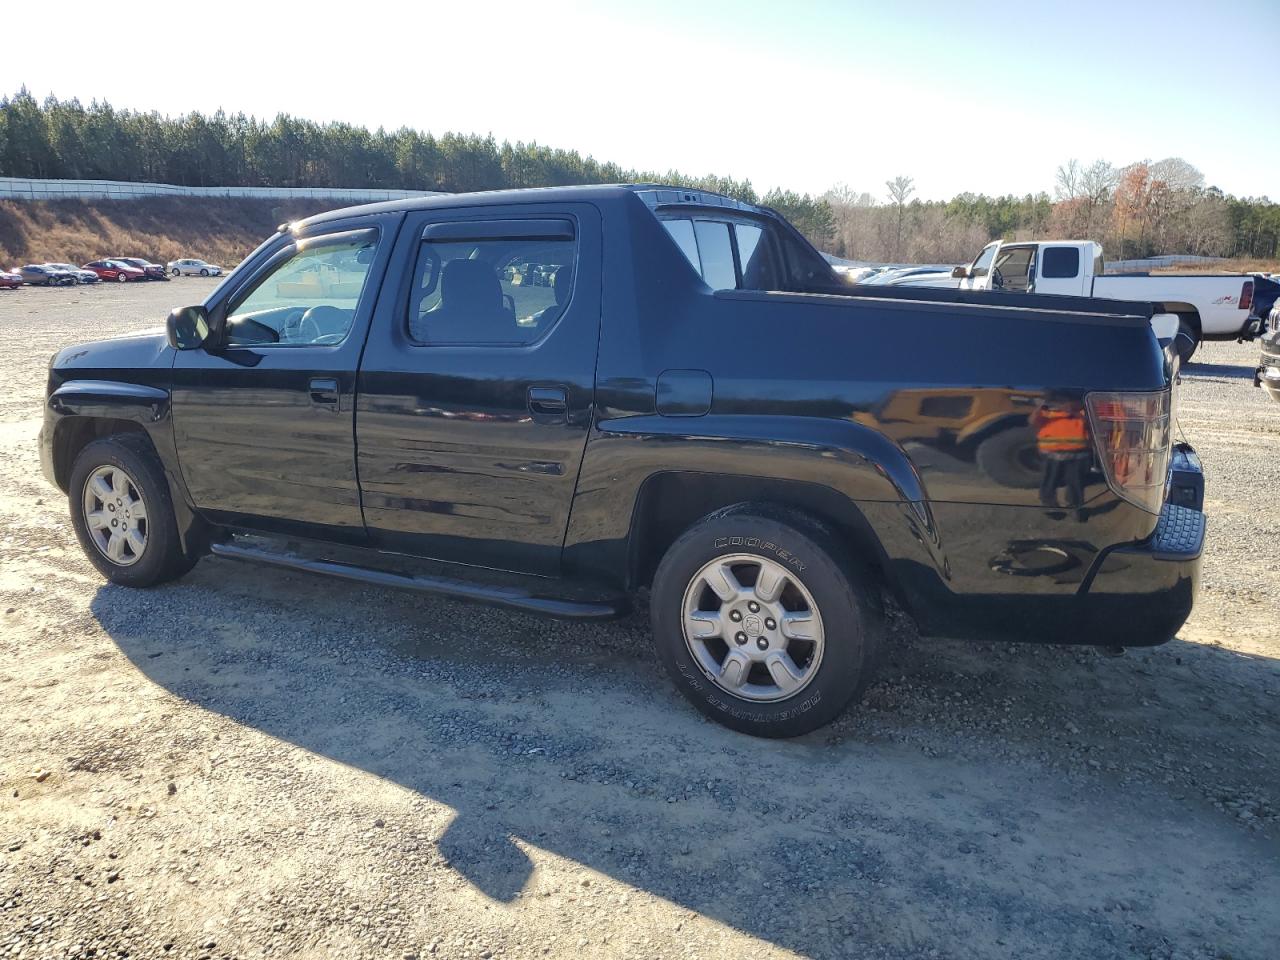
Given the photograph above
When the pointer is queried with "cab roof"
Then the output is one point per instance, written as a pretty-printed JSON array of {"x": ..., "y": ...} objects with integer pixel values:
[{"x": 654, "y": 195}]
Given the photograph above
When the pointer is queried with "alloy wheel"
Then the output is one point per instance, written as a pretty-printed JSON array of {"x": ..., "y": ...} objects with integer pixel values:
[
  {"x": 752, "y": 627},
  {"x": 115, "y": 515}
]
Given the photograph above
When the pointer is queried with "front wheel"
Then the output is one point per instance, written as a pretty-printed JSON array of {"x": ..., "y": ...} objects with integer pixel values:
[
  {"x": 203, "y": 272},
  {"x": 764, "y": 622},
  {"x": 122, "y": 513},
  {"x": 121, "y": 278},
  {"x": 175, "y": 272}
]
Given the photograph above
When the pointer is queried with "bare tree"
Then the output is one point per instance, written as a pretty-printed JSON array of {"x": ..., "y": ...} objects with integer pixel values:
[
  {"x": 1097, "y": 187},
  {"x": 1068, "y": 182},
  {"x": 900, "y": 190}
]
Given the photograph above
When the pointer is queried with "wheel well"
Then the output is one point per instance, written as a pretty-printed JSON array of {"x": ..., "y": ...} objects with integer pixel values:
[
  {"x": 1185, "y": 312},
  {"x": 670, "y": 503},
  {"x": 76, "y": 433}
]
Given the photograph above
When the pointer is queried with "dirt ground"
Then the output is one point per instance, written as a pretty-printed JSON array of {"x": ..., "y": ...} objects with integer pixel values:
[{"x": 255, "y": 763}]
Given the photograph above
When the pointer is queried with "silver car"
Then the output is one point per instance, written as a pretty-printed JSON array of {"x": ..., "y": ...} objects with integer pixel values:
[
  {"x": 193, "y": 268},
  {"x": 81, "y": 274}
]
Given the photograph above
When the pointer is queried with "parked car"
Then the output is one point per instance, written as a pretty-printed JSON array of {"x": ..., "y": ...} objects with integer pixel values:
[
  {"x": 80, "y": 273},
  {"x": 115, "y": 270},
  {"x": 10, "y": 279},
  {"x": 39, "y": 275},
  {"x": 763, "y": 445},
  {"x": 1268, "y": 372},
  {"x": 1208, "y": 306},
  {"x": 193, "y": 268},
  {"x": 898, "y": 275},
  {"x": 153, "y": 271}
]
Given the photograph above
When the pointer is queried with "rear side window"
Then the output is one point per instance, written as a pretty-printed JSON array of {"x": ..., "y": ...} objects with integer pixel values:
[
  {"x": 756, "y": 255},
  {"x": 1060, "y": 263},
  {"x": 682, "y": 233},
  {"x": 498, "y": 292},
  {"x": 728, "y": 255}
]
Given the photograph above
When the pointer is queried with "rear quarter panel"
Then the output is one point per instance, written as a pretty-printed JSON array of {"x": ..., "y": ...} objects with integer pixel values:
[
  {"x": 1215, "y": 298},
  {"x": 917, "y": 412}
]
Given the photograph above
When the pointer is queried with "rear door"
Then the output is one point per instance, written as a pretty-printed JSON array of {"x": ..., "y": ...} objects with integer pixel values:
[{"x": 476, "y": 390}]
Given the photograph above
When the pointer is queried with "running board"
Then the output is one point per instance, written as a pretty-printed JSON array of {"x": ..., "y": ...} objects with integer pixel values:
[{"x": 501, "y": 596}]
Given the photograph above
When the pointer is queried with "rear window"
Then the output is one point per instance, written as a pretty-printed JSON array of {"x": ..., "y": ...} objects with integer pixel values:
[
  {"x": 1060, "y": 263},
  {"x": 715, "y": 250}
]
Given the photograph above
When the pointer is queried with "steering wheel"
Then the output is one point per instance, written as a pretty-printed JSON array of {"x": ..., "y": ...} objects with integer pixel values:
[
  {"x": 997, "y": 279},
  {"x": 291, "y": 329},
  {"x": 309, "y": 329}
]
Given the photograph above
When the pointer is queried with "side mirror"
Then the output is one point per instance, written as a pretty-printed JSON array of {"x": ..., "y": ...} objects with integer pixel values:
[
  {"x": 960, "y": 273},
  {"x": 187, "y": 328}
]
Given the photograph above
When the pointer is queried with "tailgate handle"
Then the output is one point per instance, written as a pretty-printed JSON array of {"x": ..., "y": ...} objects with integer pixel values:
[
  {"x": 549, "y": 403},
  {"x": 324, "y": 392}
]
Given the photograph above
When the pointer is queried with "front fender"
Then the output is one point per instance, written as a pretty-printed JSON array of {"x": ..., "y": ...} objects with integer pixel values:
[
  {"x": 110, "y": 399},
  {"x": 79, "y": 411}
]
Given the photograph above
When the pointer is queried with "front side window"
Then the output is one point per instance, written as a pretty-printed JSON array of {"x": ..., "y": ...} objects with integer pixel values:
[
  {"x": 490, "y": 291},
  {"x": 309, "y": 298},
  {"x": 1015, "y": 268},
  {"x": 983, "y": 263}
]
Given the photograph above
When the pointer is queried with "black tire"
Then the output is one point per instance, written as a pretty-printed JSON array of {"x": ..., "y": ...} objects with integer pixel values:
[
  {"x": 1187, "y": 341},
  {"x": 1011, "y": 458},
  {"x": 847, "y": 599},
  {"x": 121, "y": 278},
  {"x": 162, "y": 559},
  {"x": 204, "y": 272},
  {"x": 176, "y": 272}
]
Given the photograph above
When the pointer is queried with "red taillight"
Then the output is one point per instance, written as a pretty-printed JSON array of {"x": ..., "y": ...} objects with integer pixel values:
[
  {"x": 1246, "y": 295},
  {"x": 1134, "y": 435}
]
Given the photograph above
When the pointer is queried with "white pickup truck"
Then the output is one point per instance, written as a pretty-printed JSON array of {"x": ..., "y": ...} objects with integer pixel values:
[{"x": 1208, "y": 306}]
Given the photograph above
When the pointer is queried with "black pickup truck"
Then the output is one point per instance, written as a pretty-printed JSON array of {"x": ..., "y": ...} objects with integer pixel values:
[{"x": 553, "y": 399}]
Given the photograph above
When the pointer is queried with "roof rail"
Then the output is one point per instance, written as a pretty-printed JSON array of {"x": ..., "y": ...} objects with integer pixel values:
[{"x": 655, "y": 197}]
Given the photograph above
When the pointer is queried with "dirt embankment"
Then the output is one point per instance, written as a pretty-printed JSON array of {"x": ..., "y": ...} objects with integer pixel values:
[{"x": 162, "y": 228}]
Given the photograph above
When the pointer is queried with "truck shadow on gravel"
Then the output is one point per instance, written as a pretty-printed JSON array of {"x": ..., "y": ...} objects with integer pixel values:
[
  {"x": 983, "y": 801},
  {"x": 1196, "y": 370}
]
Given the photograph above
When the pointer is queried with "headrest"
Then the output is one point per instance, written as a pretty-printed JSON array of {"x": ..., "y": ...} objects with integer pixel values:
[{"x": 470, "y": 283}]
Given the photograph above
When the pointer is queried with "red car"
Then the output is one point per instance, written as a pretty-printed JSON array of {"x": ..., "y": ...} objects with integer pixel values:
[
  {"x": 10, "y": 280},
  {"x": 115, "y": 270}
]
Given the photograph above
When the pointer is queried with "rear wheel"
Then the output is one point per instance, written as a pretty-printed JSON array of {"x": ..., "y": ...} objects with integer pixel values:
[
  {"x": 121, "y": 278},
  {"x": 122, "y": 513},
  {"x": 1187, "y": 341},
  {"x": 763, "y": 621}
]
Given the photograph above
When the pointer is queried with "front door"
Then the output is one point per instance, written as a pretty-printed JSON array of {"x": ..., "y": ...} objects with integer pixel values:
[
  {"x": 264, "y": 418},
  {"x": 476, "y": 390}
]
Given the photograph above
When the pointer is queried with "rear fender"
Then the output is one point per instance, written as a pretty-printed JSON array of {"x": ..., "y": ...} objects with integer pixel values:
[{"x": 824, "y": 460}]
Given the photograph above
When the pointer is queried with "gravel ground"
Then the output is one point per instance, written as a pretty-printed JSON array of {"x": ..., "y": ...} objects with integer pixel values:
[{"x": 254, "y": 763}]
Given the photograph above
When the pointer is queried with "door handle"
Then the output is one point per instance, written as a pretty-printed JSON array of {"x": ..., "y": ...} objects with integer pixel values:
[
  {"x": 549, "y": 403},
  {"x": 324, "y": 392}
]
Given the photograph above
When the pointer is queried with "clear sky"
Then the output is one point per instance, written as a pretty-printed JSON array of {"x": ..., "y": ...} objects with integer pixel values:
[{"x": 960, "y": 96}]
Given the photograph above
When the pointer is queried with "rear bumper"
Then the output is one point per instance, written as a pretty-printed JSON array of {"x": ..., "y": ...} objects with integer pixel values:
[
  {"x": 1125, "y": 594},
  {"x": 1141, "y": 595}
]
